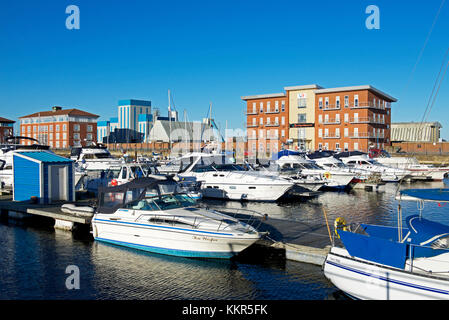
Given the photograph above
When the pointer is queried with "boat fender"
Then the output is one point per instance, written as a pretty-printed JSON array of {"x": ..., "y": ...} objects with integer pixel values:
[
  {"x": 114, "y": 182},
  {"x": 340, "y": 224},
  {"x": 327, "y": 175}
]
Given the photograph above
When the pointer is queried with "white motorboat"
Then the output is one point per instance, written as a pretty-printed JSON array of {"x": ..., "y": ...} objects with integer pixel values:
[
  {"x": 303, "y": 183},
  {"x": 168, "y": 223},
  {"x": 94, "y": 158},
  {"x": 363, "y": 162},
  {"x": 417, "y": 170},
  {"x": 333, "y": 178},
  {"x": 6, "y": 156},
  {"x": 379, "y": 262},
  {"x": 221, "y": 179}
]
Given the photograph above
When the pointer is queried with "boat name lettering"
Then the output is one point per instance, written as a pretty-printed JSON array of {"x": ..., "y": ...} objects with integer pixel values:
[{"x": 204, "y": 238}]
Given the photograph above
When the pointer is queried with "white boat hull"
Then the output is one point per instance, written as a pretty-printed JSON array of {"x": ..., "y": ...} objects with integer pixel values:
[
  {"x": 175, "y": 241},
  {"x": 250, "y": 192},
  {"x": 365, "y": 280}
]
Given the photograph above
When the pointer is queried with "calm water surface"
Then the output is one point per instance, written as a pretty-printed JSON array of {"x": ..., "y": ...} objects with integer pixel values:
[{"x": 34, "y": 257}]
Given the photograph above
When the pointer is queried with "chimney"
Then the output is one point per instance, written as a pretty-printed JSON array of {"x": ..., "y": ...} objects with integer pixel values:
[{"x": 56, "y": 108}]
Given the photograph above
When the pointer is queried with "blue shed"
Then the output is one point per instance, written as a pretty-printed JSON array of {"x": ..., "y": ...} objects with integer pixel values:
[{"x": 42, "y": 174}]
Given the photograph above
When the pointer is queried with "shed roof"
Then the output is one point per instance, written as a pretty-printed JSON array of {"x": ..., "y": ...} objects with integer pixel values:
[{"x": 44, "y": 156}]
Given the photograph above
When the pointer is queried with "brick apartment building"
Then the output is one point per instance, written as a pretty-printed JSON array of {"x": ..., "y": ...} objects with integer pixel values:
[
  {"x": 60, "y": 128},
  {"x": 267, "y": 123},
  {"x": 352, "y": 118},
  {"x": 6, "y": 129}
]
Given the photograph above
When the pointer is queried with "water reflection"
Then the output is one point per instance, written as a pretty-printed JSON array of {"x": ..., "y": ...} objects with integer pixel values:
[{"x": 33, "y": 258}]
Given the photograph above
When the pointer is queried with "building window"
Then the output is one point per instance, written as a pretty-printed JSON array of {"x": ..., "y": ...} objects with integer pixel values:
[
  {"x": 356, "y": 146},
  {"x": 57, "y": 128},
  {"x": 326, "y": 103},
  {"x": 337, "y": 146},
  {"x": 320, "y": 118},
  {"x": 356, "y": 100},
  {"x": 302, "y": 101},
  {"x": 268, "y": 120},
  {"x": 254, "y": 107},
  {"x": 346, "y": 101},
  {"x": 326, "y": 133},
  {"x": 283, "y": 121},
  {"x": 320, "y": 133},
  {"x": 276, "y": 106},
  {"x": 261, "y": 107},
  {"x": 356, "y": 133},
  {"x": 89, "y": 137},
  {"x": 254, "y": 122},
  {"x": 89, "y": 128},
  {"x": 29, "y": 129},
  {"x": 282, "y": 133},
  {"x": 346, "y": 132},
  {"x": 76, "y": 136},
  {"x": 337, "y": 118},
  {"x": 337, "y": 102},
  {"x": 268, "y": 106},
  {"x": 320, "y": 103},
  {"x": 302, "y": 118},
  {"x": 337, "y": 132},
  {"x": 261, "y": 121},
  {"x": 320, "y": 146},
  {"x": 276, "y": 121},
  {"x": 64, "y": 127},
  {"x": 283, "y": 106},
  {"x": 346, "y": 146}
]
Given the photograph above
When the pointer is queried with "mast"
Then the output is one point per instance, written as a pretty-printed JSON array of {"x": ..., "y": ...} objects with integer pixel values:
[{"x": 169, "y": 121}]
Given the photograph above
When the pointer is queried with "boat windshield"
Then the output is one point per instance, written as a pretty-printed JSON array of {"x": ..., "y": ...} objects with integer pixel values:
[
  {"x": 165, "y": 202},
  {"x": 217, "y": 167},
  {"x": 310, "y": 166}
]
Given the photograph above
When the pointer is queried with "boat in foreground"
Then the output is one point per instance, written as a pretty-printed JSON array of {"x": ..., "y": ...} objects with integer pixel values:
[
  {"x": 379, "y": 262},
  {"x": 167, "y": 222}
]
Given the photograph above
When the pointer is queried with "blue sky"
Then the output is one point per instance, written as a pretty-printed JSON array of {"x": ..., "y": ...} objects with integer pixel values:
[{"x": 216, "y": 51}]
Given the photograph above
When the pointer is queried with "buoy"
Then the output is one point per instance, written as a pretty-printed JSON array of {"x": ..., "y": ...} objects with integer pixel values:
[{"x": 340, "y": 224}]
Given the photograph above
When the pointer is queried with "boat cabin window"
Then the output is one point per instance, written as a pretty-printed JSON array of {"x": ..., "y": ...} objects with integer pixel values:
[
  {"x": 124, "y": 173},
  {"x": 165, "y": 202},
  {"x": 137, "y": 172},
  {"x": 442, "y": 243}
]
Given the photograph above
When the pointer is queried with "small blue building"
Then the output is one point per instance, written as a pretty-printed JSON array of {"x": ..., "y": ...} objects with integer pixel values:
[{"x": 42, "y": 174}]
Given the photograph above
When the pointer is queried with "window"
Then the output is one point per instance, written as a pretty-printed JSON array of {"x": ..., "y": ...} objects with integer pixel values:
[
  {"x": 302, "y": 118},
  {"x": 320, "y": 118},
  {"x": 76, "y": 136},
  {"x": 29, "y": 129},
  {"x": 89, "y": 137},
  {"x": 89, "y": 128},
  {"x": 337, "y": 146},
  {"x": 254, "y": 107},
  {"x": 337, "y": 118},
  {"x": 268, "y": 106},
  {"x": 261, "y": 107},
  {"x": 346, "y": 117},
  {"x": 320, "y": 103},
  {"x": 326, "y": 133},
  {"x": 268, "y": 120},
  {"x": 346, "y": 146},
  {"x": 326, "y": 103},
  {"x": 356, "y": 133},
  {"x": 326, "y": 118},
  {"x": 326, "y": 146},
  {"x": 356, "y": 146},
  {"x": 346, "y": 101},
  {"x": 283, "y": 106},
  {"x": 57, "y": 128},
  {"x": 254, "y": 122},
  {"x": 302, "y": 100},
  {"x": 337, "y": 132},
  {"x": 276, "y": 120},
  {"x": 276, "y": 106},
  {"x": 320, "y": 146},
  {"x": 64, "y": 127},
  {"x": 282, "y": 133},
  {"x": 320, "y": 133},
  {"x": 64, "y": 136},
  {"x": 337, "y": 102},
  {"x": 346, "y": 132},
  {"x": 356, "y": 100},
  {"x": 261, "y": 121},
  {"x": 283, "y": 120}
]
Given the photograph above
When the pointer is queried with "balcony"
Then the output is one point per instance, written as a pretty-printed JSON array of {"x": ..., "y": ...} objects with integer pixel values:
[
  {"x": 367, "y": 105},
  {"x": 252, "y": 125},
  {"x": 276, "y": 124},
  {"x": 252, "y": 138},
  {"x": 331, "y": 136},
  {"x": 271, "y": 112},
  {"x": 367, "y": 120},
  {"x": 367, "y": 135},
  {"x": 251, "y": 113},
  {"x": 331, "y": 121},
  {"x": 331, "y": 107}
]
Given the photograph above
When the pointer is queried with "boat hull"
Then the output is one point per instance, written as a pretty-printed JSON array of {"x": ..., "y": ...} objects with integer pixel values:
[
  {"x": 365, "y": 280},
  {"x": 250, "y": 192},
  {"x": 174, "y": 241}
]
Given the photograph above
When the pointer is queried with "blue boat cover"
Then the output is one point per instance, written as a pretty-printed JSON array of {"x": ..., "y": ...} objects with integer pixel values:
[
  {"x": 285, "y": 153},
  {"x": 424, "y": 232},
  {"x": 384, "y": 232},
  {"x": 386, "y": 252},
  {"x": 435, "y": 194}
]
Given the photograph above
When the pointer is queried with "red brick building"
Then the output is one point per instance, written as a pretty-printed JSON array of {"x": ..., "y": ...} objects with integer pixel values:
[
  {"x": 60, "y": 128},
  {"x": 6, "y": 128},
  {"x": 267, "y": 122},
  {"x": 352, "y": 118}
]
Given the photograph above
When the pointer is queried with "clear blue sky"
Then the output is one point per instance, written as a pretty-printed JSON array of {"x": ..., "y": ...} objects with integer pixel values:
[{"x": 216, "y": 51}]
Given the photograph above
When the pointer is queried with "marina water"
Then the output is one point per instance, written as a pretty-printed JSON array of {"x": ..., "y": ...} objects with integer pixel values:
[{"x": 34, "y": 256}]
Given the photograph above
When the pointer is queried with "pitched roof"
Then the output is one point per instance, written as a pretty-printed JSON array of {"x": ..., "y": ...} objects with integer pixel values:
[
  {"x": 4, "y": 120},
  {"x": 70, "y": 112}
]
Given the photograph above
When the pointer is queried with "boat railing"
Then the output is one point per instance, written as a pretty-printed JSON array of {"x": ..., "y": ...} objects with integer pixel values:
[{"x": 410, "y": 265}]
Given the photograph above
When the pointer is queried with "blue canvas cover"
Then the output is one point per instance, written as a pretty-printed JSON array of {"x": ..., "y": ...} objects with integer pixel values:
[
  {"x": 434, "y": 194},
  {"x": 285, "y": 153},
  {"x": 375, "y": 249}
]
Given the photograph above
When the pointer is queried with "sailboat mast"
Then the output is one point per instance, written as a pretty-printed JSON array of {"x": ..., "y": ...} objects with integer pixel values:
[{"x": 169, "y": 121}]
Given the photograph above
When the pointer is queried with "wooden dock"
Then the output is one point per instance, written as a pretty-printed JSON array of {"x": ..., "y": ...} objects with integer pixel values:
[{"x": 297, "y": 241}]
